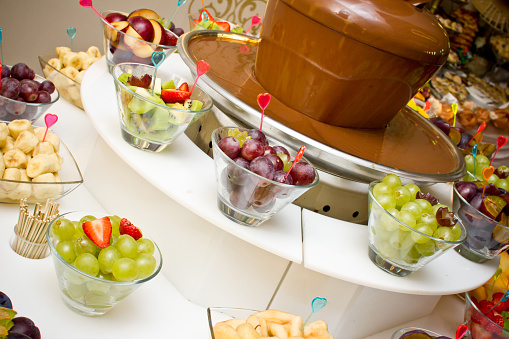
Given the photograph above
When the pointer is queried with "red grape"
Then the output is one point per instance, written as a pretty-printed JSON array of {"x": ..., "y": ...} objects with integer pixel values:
[
  {"x": 258, "y": 135},
  {"x": 303, "y": 173},
  {"x": 491, "y": 189},
  {"x": 281, "y": 149},
  {"x": 10, "y": 88},
  {"x": 43, "y": 97},
  {"x": 144, "y": 81},
  {"x": 6, "y": 71},
  {"x": 230, "y": 146},
  {"x": 23, "y": 325},
  {"x": 238, "y": 198},
  {"x": 15, "y": 108},
  {"x": 466, "y": 189},
  {"x": 279, "y": 176},
  {"x": 252, "y": 149},
  {"x": 20, "y": 71},
  {"x": 263, "y": 167},
  {"x": 29, "y": 91},
  {"x": 47, "y": 86},
  {"x": 269, "y": 150},
  {"x": 262, "y": 196},
  {"x": 276, "y": 161},
  {"x": 178, "y": 31}
]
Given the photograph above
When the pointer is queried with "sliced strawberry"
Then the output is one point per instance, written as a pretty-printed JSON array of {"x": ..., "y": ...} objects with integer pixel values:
[
  {"x": 223, "y": 25},
  {"x": 127, "y": 228},
  {"x": 99, "y": 231},
  {"x": 174, "y": 95},
  {"x": 184, "y": 87}
]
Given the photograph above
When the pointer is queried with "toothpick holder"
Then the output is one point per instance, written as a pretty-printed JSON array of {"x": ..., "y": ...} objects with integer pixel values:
[{"x": 28, "y": 249}]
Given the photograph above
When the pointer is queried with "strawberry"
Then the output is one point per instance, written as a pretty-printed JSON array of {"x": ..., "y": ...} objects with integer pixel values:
[
  {"x": 501, "y": 306},
  {"x": 478, "y": 332},
  {"x": 491, "y": 327},
  {"x": 174, "y": 95},
  {"x": 127, "y": 228},
  {"x": 224, "y": 26},
  {"x": 184, "y": 87},
  {"x": 99, "y": 231}
]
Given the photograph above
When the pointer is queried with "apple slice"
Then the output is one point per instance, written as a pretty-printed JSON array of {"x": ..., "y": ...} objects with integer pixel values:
[
  {"x": 136, "y": 44},
  {"x": 159, "y": 34},
  {"x": 146, "y": 13},
  {"x": 143, "y": 27}
]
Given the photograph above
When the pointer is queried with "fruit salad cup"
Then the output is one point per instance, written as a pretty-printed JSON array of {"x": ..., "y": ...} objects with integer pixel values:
[
  {"x": 487, "y": 237},
  {"x": 201, "y": 21},
  {"x": 146, "y": 121},
  {"x": 122, "y": 43},
  {"x": 400, "y": 249},
  {"x": 76, "y": 256},
  {"x": 246, "y": 197}
]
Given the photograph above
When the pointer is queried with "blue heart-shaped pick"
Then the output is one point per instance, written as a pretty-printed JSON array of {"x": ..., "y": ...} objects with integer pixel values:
[
  {"x": 158, "y": 58},
  {"x": 181, "y": 2},
  {"x": 318, "y": 303},
  {"x": 204, "y": 16},
  {"x": 0, "y": 35},
  {"x": 71, "y": 31}
]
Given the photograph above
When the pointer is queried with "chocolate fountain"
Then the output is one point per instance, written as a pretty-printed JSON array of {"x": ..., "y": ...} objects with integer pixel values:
[{"x": 340, "y": 73}]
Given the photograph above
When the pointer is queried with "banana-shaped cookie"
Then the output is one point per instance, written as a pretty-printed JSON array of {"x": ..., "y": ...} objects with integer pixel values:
[
  {"x": 4, "y": 133},
  {"x": 43, "y": 163},
  {"x": 15, "y": 158},
  {"x": 22, "y": 190},
  {"x": 94, "y": 52},
  {"x": 18, "y": 126},
  {"x": 26, "y": 141},
  {"x": 50, "y": 137},
  {"x": 62, "y": 51}
]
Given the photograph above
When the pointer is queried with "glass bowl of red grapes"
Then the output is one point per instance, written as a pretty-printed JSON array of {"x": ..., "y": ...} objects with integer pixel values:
[
  {"x": 255, "y": 179},
  {"x": 484, "y": 211},
  {"x": 416, "y": 333},
  {"x": 24, "y": 94}
]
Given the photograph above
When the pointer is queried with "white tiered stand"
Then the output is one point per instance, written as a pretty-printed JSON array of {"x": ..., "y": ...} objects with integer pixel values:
[{"x": 211, "y": 261}]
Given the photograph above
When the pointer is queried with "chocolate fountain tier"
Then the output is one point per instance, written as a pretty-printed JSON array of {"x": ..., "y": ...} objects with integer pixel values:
[{"x": 410, "y": 146}]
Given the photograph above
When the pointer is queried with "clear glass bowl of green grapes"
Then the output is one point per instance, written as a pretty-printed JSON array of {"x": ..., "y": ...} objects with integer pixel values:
[
  {"x": 408, "y": 228},
  {"x": 93, "y": 279}
]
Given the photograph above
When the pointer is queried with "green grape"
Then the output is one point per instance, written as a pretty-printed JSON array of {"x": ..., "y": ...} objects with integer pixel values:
[
  {"x": 478, "y": 171},
  {"x": 146, "y": 264},
  {"x": 76, "y": 291},
  {"x": 402, "y": 195},
  {"x": 401, "y": 240},
  {"x": 481, "y": 160},
  {"x": 386, "y": 201},
  {"x": 502, "y": 183},
  {"x": 63, "y": 229},
  {"x": 87, "y": 263},
  {"x": 108, "y": 276},
  {"x": 381, "y": 188},
  {"x": 86, "y": 218},
  {"x": 425, "y": 205},
  {"x": 145, "y": 246},
  {"x": 78, "y": 233},
  {"x": 115, "y": 224},
  {"x": 412, "y": 207},
  {"x": 407, "y": 218},
  {"x": 444, "y": 233},
  {"x": 435, "y": 208},
  {"x": 412, "y": 257},
  {"x": 380, "y": 234},
  {"x": 413, "y": 189},
  {"x": 113, "y": 240},
  {"x": 426, "y": 249},
  {"x": 456, "y": 232},
  {"x": 98, "y": 287},
  {"x": 85, "y": 245},
  {"x": 385, "y": 250},
  {"x": 65, "y": 249},
  {"x": 127, "y": 246},
  {"x": 387, "y": 221},
  {"x": 421, "y": 238},
  {"x": 107, "y": 257},
  {"x": 125, "y": 269},
  {"x": 469, "y": 161},
  {"x": 493, "y": 179},
  {"x": 430, "y": 220},
  {"x": 392, "y": 180}
]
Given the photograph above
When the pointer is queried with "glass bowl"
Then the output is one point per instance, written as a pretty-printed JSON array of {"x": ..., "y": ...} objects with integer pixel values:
[
  {"x": 121, "y": 47},
  {"x": 479, "y": 324},
  {"x": 12, "y": 109},
  {"x": 399, "y": 333},
  {"x": 486, "y": 238},
  {"x": 138, "y": 128},
  {"x": 86, "y": 294},
  {"x": 11, "y": 191},
  {"x": 246, "y": 197},
  {"x": 392, "y": 243},
  {"x": 198, "y": 22},
  {"x": 68, "y": 88}
]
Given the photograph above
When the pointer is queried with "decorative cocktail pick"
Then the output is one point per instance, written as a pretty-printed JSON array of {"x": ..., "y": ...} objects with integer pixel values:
[
  {"x": 179, "y": 3},
  {"x": 479, "y": 130},
  {"x": 501, "y": 141},
  {"x": 474, "y": 154},
  {"x": 1, "y": 50},
  {"x": 71, "y": 32},
  {"x": 487, "y": 173},
  {"x": 454, "y": 108},
  {"x": 317, "y": 304},
  {"x": 461, "y": 331},
  {"x": 427, "y": 105},
  {"x": 497, "y": 274},
  {"x": 49, "y": 120},
  {"x": 244, "y": 49},
  {"x": 263, "y": 101},
  {"x": 157, "y": 58},
  {"x": 255, "y": 20},
  {"x": 299, "y": 155},
  {"x": 88, "y": 4},
  {"x": 201, "y": 68},
  {"x": 503, "y": 299}
]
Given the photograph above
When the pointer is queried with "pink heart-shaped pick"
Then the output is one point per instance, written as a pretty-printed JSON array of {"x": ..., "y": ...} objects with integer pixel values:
[
  {"x": 255, "y": 20},
  {"x": 86, "y": 3},
  {"x": 244, "y": 49},
  {"x": 487, "y": 172},
  {"x": 461, "y": 331},
  {"x": 263, "y": 100},
  {"x": 501, "y": 141},
  {"x": 202, "y": 67},
  {"x": 50, "y": 119}
]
